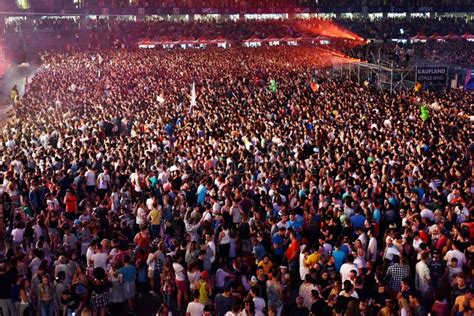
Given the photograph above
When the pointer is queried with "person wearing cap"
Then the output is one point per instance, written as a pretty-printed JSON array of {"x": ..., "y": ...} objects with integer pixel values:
[
  {"x": 204, "y": 288},
  {"x": 438, "y": 269}
]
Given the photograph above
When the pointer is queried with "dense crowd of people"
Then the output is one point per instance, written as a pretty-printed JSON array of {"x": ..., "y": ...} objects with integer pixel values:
[{"x": 268, "y": 188}]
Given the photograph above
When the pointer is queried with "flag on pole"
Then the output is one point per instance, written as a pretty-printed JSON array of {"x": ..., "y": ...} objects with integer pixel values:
[
  {"x": 424, "y": 114},
  {"x": 193, "y": 98},
  {"x": 100, "y": 59},
  {"x": 273, "y": 85},
  {"x": 418, "y": 87}
]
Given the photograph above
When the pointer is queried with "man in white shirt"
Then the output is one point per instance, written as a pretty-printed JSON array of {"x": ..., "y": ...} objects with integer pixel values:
[
  {"x": 195, "y": 308},
  {"x": 455, "y": 253},
  {"x": 90, "y": 252},
  {"x": 391, "y": 250},
  {"x": 347, "y": 267},
  {"x": 90, "y": 180},
  {"x": 103, "y": 183},
  {"x": 283, "y": 222},
  {"x": 372, "y": 247},
  {"x": 426, "y": 212},
  {"x": 212, "y": 245}
]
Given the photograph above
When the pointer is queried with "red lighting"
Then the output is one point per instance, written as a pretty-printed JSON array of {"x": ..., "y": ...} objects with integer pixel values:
[{"x": 330, "y": 29}]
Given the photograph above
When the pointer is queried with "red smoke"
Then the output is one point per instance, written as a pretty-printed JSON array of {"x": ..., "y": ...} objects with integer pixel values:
[{"x": 329, "y": 29}]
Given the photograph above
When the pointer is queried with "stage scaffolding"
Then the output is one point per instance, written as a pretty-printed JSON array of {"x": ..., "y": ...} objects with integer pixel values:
[{"x": 384, "y": 76}]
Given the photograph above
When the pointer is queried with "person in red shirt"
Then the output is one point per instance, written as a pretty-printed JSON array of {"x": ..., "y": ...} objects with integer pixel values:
[
  {"x": 142, "y": 239},
  {"x": 70, "y": 201},
  {"x": 292, "y": 254}
]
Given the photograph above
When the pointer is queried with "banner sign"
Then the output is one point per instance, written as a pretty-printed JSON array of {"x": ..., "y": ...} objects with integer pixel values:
[{"x": 432, "y": 76}]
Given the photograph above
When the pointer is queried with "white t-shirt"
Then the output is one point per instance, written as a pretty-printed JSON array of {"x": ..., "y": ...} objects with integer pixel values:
[
  {"x": 236, "y": 216},
  {"x": 53, "y": 204},
  {"x": 353, "y": 294},
  {"x": 212, "y": 245},
  {"x": 100, "y": 260},
  {"x": 417, "y": 243},
  {"x": 104, "y": 180},
  {"x": 179, "y": 272},
  {"x": 372, "y": 249},
  {"x": 303, "y": 269},
  {"x": 360, "y": 262},
  {"x": 149, "y": 203},
  {"x": 390, "y": 252},
  {"x": 428, "y": 214},
  {"x": 346, "y": 269},
  {"x": 90, "y": 178},
  {"x": 17, "y": 235},
  {"x": 455, "y": 254},
  {"x": 195, "y": 309}
]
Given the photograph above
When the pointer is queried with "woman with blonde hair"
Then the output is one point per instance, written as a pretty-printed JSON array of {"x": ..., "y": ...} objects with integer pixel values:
[
  {"x": 337, "y": 288},
  {"x": 403, "y": 307}
]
